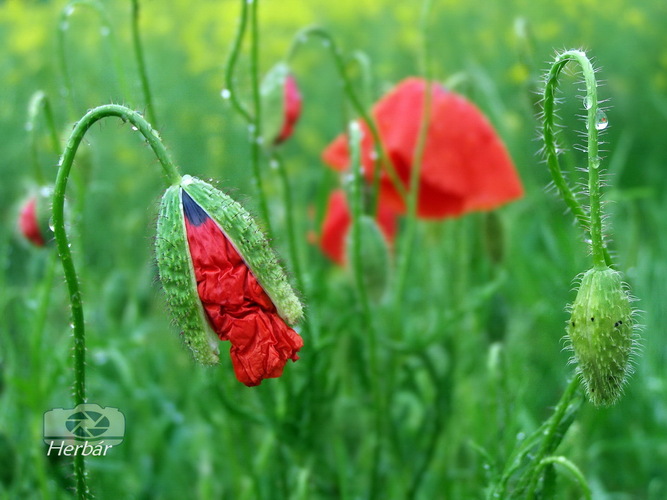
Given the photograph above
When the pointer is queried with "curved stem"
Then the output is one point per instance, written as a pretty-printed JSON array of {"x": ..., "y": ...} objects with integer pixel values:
[
  {"x": 574, "y": 470},
  {"x": 40, "y": 101},
  {"x": 378, "y": 146},
  {"x": 63, "y": 245},
  {"x": 375, "y": 376},
  {"x": 141, "y": 63},
  {"x": 256, "y": 128},
  {"x": 231, "y": 64},
  {"x": 551, "y": 438},
  {"x": 591, "y": 222}
]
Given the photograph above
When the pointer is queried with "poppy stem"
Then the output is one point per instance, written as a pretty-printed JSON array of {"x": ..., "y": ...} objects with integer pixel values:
[
  {"x": 141, "y": 64},
  {"x": 595, "y": 121},
  {"x": 40, "y": 102},
  {"x": 375, "y": 376},
  {"x": 417, "y": 160},
  {"x": 106, "y": 30},
  {"x": 230, "y": 65},
  {"x": 63, "y": 245},
  {"x": 254, "y": 119},
  {"x": 378, "y": 147}
]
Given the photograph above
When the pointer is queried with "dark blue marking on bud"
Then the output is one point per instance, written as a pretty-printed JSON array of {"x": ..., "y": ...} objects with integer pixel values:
[{"x": 194, "y": 213}]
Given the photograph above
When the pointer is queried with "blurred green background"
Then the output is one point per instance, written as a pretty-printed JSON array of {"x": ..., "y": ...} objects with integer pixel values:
[{"x": 476, "y": 359}]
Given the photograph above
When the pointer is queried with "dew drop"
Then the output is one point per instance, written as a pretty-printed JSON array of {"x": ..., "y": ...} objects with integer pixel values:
[
  {"x": 601, "y": 120},
  {"x": 134, "y": 128},
  {"x": 69, "y": 10},
  {"x": 588, "y": 102},
  {"x": 225, "y": 93}
]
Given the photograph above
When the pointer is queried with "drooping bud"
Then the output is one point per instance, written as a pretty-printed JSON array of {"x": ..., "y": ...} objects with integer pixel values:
[
  {"x": 374, "y": 256},
  {"x": 601, "y": 332},
  {"x": 33, "y": 220},
  {"x": 281, "y": 104},
  {"x": 222, "y": 282}
]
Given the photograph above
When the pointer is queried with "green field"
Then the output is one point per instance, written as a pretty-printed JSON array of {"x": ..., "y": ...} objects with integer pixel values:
[{"x": 428, "y": 391}]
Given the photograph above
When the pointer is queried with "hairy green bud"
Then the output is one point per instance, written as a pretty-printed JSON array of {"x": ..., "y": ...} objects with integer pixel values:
[{"x": 601, "y": 333}]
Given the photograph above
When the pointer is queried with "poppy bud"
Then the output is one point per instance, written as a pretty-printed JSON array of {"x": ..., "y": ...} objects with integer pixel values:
[
  {"x": 601, "y": 333},
  {"x": 374, "y": 256},
  {"x": 222, "y": 281},
  {"x": 33, "y": 221},
  {"x": 281, "y": 104}
]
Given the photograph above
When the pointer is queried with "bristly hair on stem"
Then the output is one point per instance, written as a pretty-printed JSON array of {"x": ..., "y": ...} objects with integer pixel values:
[
  {"x": 590, "y": 220},
  {"x": 62, "y": 241}
]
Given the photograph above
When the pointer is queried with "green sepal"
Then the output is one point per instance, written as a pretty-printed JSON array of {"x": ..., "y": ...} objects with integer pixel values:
[
  {"x": 178, "y": 279},
  {"x": 272, "y": 92},
  {"x": 251, "y": 244},
  {"x": 602, "y": 334}
]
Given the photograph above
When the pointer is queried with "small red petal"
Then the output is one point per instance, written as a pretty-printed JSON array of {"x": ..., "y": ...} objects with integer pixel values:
[
  {"x": 237, "y": 307},
  {"x": 28, "y": 223},
  {"x": 292, "y": 98}
]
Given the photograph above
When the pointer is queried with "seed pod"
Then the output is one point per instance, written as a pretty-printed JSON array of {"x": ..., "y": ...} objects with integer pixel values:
[
  {"x": 601, "y": 334},
  {"x": 33, "y": 220},
  {"x": 222, "y": 281},
  {"x": 281, "y": 104}
]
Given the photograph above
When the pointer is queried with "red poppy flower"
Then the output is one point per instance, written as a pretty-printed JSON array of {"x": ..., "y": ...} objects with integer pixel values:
[
  {"x": 465, "y": 166},
  {"x": 337, "y": 222},
  {"x": 237, "y": 307},
  {"x": 28, "y": 224}
]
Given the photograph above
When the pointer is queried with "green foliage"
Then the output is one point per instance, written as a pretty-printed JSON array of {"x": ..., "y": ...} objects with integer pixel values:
[{"x": 468, "y": 364}]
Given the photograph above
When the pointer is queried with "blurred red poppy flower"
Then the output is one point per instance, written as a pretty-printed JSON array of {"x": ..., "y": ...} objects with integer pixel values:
[
  {"x": 337, "y": 222},
  {"x": 465, "y": 166},
  {"x": 28, "y": 223},
  {"x": 236, "y": 306}
]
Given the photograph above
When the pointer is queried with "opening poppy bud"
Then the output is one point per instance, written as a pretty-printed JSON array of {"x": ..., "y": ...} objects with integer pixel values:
[
  {"x": 281, "y": 104},
  {"x": 34, "y": 215},
  {"x": 374, "y": 256},
  {"x": 223, "y": 282},
  {"x": 601, "y": 333}
]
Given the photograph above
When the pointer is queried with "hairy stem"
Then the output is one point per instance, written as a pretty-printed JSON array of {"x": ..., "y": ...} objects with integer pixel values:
[
  {"x": 591, "y": 222},
  {"x": 63, "y": 244}
]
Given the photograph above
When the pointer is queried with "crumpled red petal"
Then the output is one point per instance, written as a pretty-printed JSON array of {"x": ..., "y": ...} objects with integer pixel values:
[
  {"x": 465, "y": 166},
  {"x": 237, "y": 307},
  {"x": 28, "y": 224},
  {"x": 337, "y": 222},
  {"x": 292, "y": 108}
]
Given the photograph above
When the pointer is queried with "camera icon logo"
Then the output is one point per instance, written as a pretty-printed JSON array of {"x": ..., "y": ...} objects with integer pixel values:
[{"x": 86, "y": 423}]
